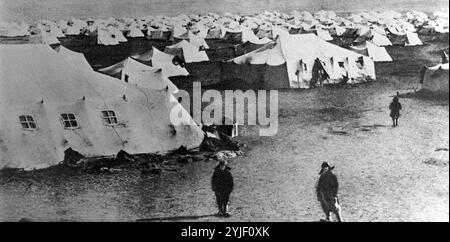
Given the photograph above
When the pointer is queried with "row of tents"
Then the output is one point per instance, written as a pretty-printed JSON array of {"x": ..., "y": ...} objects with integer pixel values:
[
  {"x": 212, "y": 26},
  {"x": 291, "y": 61},
  {"x": 64, "y": 103}
]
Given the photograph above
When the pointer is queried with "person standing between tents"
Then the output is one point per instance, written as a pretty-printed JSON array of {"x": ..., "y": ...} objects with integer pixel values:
[
  {"x": 222, "y": 185},
  {"x": 395, "y": 108}
]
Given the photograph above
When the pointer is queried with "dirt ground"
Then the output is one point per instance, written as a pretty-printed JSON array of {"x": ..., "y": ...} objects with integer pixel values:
[{"x": 385, "y": 173}]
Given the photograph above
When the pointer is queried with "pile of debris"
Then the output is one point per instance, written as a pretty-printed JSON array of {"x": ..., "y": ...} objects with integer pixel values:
[{"x": 216, "y": 145}]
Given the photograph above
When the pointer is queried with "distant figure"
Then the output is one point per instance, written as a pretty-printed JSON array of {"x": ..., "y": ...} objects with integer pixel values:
[
  {"x": 395, "y": 108},
  {"x": 327, "y": 192},
  {"x": 222, "y": 185}
]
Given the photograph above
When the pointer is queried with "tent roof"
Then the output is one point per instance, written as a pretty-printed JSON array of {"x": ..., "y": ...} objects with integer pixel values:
[
  {"x": 377, "y": 53},
  {"x": 191, "y": 53},
  {"x": 309, "y": 46},
  {"x": 270, "y": 54},
  {"x": 38, "y": 73}
]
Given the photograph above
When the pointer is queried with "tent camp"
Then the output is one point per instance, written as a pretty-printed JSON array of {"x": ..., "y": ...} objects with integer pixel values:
[
  {"x": 311, "y": 61},
  {"x": 436, "y": 79},
  {"x": 46, "y": 107}
]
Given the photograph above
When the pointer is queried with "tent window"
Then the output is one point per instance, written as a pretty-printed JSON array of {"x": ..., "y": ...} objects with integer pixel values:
[
  {"x": 341, "y": 64},
  {"x": 126, "y": 78},
  {"x": 69, "y": 120},
  {"x": 109, "y": 117},
  {"x": 27, "y": 122}
]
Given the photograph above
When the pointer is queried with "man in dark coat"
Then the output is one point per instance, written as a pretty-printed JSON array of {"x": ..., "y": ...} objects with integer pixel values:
[
  {"x": 222, "y": 185},
  {"x": 327, "y": 192},
  {"x": 395, "y": 108}
]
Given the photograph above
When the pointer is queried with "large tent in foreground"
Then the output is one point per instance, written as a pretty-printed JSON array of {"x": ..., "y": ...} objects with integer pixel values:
[
  {"x": 47, "y": 106},
  {"x": 308, "y": 61}
]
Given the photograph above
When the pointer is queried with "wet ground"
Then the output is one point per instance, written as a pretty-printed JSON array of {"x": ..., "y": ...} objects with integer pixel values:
[{"x": 385, "y": 173}]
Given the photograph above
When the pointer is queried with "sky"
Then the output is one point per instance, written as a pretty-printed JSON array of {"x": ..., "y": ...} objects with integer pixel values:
[{"x": 31, "y": 10}]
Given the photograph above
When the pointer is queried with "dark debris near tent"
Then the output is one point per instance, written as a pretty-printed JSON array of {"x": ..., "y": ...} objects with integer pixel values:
[{"x": 74, "y": 163}]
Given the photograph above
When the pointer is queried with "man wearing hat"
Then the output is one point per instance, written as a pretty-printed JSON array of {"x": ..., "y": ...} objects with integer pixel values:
[
  {"x": 327, "y": 192},
  {"x": 222, "y": 185}
]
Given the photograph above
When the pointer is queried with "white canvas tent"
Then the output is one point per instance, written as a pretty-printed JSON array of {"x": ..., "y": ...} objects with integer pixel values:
[
  {"x": 413, "y": 39},
  {"x": 375, "y": 37},
  {"x": 109, "y": 36},
  {"x": 197, "y": 41},
  {"x": 165, "y": 62},
  {"x": 379, "y": 39},
  {"x": 77, "y": 59},
  {"x": 272, "y": 56},
  {"x": 324, "y": 34},
  {"x": 189, "y": 52},
  {"x": 248, "y": 35},
  {"x": 436, "y": 79},
  {"x": 171, "y": 65},
  {"x": 46, "y": 107},
  {"x": 106, "y": 38},
  {"x": 303, "y": 52},
  {"x": 49, "y": 39},
  {"x": 377, "y": 53},
  {"x": 146, "y": 76},
  {"x": 135, "y": 32},
  {"x": 178, "y": 30}
]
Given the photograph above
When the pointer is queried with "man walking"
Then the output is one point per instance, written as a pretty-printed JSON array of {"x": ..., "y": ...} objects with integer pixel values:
[
  {"x": 222, "y": 185},
  {"x": 395, "y": 108},
  {"x": 327, "y": 192}
]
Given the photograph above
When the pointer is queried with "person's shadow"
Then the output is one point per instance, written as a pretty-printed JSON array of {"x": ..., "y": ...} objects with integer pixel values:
[{"x": 175, "y": 218}]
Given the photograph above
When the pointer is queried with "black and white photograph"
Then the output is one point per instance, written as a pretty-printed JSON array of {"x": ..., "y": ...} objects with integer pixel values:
[{"x": 224, "y": 111}]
